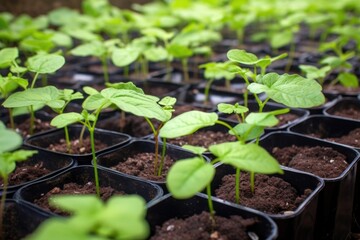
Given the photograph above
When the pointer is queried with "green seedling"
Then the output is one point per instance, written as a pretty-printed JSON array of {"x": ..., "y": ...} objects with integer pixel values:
[
  {"x": 127, "y": 97},
  {"x": 247, "y": 64},
  {"x": 121, "y": 217},
  {"x": 99, "y": 49},
  {"x": 9, "y": 142},
  {"x": 35, "y": 98},
  {"x": 189, "y": 176},
  {"x": 216, "y": 71}
]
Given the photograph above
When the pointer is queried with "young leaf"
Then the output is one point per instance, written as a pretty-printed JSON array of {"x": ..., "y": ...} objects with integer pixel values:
[
  {"x": 9, "y": 139},
  {"x": 264, "y": 119},
  {"x": 45, "y": 63},
  {"x": 230, "y": 108},
  {"x": 290, "y": 90},
  {"x": 7, "y": 56},
  {"x": 189, "y": 176},
  {"x": 122, "y": 57},
  {"x": 247, "y": 131},
  {"x": 348, "y": 80},
  {"x": 187, "y": 123},
  {"x": 241, "y": 56},
  {"x": 8, "y": 160},
  {"x": 194, "y": 149},
  {"x": 248, "y": 157},
  {"x": 65, "y": 119},
  {"x": 34, "y": 96}
]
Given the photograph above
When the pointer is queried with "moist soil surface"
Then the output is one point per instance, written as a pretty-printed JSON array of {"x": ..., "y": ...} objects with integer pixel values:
[
  {"x": 203, "y": 138},
  {"x": 324, "y": 162},
  {"x": 337, "y": 88},
  {"x": 25, "y": 172},
  {"x": 142, "y": 165},
  {"x": 39, "y": 126},
  {"x": 11, "y": 223},
  {"x": 74, "y": 189},
  {"x": 201, "y": 227},
  {"x": 271, "y": 195},
  {"x": 76, "y": 147},
  {"x": 352, "y": 138},
  {"x": 352, "y": 112}
]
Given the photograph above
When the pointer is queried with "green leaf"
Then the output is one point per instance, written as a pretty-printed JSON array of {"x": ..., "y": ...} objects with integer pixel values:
[
  {"x": 90, "y": 90},
  {"x": 8, "y": 160},
  {"x": 187, "y": 123},
  {"x": 189, "y": 176},
  {"x": 179, "y": 51},
  {"x": 167, "y": 101},
  {"x": 94, "y": 48},
  {"x": 248, "y": 157},
  {"x": 247, "y": 131},
  {"x": 313, "y": 72},
  {"x": 263, "y": 119},
  {"x": 195, "y": 149},
  {"x": 86, "y": 204},
  {"x": 290, "y": 90},
  {"x": 35, "y": 96},
  {"x": 122, "y": 57},
  {"x": 243, "y": 57},
  {"x": 45, "y": 63},
  {"x": 126, "y": 85},
  {"x": 9, "y": 140},
  {"x": 230, "y": 108},
  {"x": 7, "y": 56},
  {"x": 156, "y": 54},
  {"x": 95, "y": 102},
  {"x": 65, "y": 119},
  {"x": 348, "y": 80}
]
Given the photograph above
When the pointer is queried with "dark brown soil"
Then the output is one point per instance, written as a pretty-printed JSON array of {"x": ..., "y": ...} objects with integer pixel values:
[
  {"x": 324, "y": 162},
  {"x": 271, "y": 195},
  {"x": 76, "y": 147},
  {"x": 201, "y": 227},
  {"x": 340, "y": 89},
  {"x": 40, "y": 126},
  {"x": 352, "y": 138},
  {"x": 352, "y": 112},
  {"x": 11, "y": 222},
  {"x": 25, "y": 172},
  {"x": 142, "y": 165},
  {"x": 73, "y": 189},
  {"x": 203, "y": 138}
]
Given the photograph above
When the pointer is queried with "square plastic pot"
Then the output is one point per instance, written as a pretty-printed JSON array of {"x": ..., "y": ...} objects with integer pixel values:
[
  {"x": 334, "y": 213},
  {"x": 327, "y": 127},
  {"x": 112, "y": 158},
  {"x": 43, "y": 140},
  {"x": 56, "y": 163},
  {"x": 298, "y": 225},
  {"x": 346, "y": 103},
  {"x": 20, "y": 220},
  {"x": 168, "y": 207},
  {"x": 82, "y": 175}
]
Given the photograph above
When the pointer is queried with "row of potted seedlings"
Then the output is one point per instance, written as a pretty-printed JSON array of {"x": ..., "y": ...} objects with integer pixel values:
[{"x": 212, "y": 160}]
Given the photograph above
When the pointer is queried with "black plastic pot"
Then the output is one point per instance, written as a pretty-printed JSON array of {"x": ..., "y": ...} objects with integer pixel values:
[
  {"x": 271, "y": 106},
  {"x": 168, "y": 207},
  {"x": 330, "y": 99},
  {"x": 112, "y": 158},
  {"x": 176, "y": 75},
  {"x": 82, "y": 175},
  {"x": 54, "y": 162},
  {"x": 344, "y": 104},
  {"x": 20, "y": 220},
  {"x": 334, "y": 213},
  {"x": 160, "y": 88},
  {"x": 328, "y": 127},
  {"x": 196, "y": 95},
  {"x": 299, "y": 224},
  {"x": 43, "y": 140}
]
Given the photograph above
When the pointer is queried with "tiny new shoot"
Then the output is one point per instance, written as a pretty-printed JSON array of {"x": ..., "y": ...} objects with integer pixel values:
[
  {"x": 121, "y": 217},
  {"x": 9, "y": 142}
]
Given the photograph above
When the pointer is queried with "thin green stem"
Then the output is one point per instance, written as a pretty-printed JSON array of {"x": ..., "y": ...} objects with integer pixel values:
[
  {"x": 252, "y": 181},
  {"x": 67, "y": 139},
  {"x": 237, "y": 186},
  {"x": 34, "y": 80},
  {"x": 11, "y": 119},
  {"x": 230, "y": 128},
  {"x": 210, "y": 203},
  {"x": 92, "y": 140},
  {"x": 105, "y": 69},
  {"x": 207, "y": 91},
  {"x": 184, "y": 62},
  {"x": 291, "y": 57},
  {"x": 163, "y": 152}
]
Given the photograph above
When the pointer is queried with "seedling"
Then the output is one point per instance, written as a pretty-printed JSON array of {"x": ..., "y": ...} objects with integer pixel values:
[
  {"x": 99, "y": 49},
  {"x": 121, "y": 217},
  {"x": 189, "y": 176},
  {"x": 216, "y": 71},
  {"x": 128, "y": 98},
  {"x": 9, "y": 141}
]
